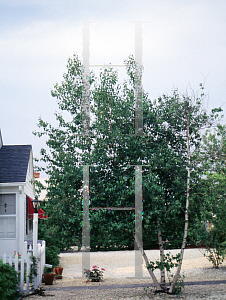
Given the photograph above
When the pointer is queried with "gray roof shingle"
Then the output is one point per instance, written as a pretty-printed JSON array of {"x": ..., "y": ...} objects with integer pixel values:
[{"x": 14, "y": 163}]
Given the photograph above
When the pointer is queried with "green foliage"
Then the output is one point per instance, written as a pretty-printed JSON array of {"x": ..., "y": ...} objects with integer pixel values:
[
  {"x": 33, "y": 269},
  {"x": 215, "y": 246},
  {"x": 103, "y": 238},
  {"x": 179, "y": 286},
  {"x": 213, "y": 167},
  {"x": 111, "y": 150},
  {"x": 53, "y": 242},
  {"x": 169, "y": 262},
  {"x": 47, "y": 270},
  {"x": 8, "y": 282},
  {"x": 52, "y": 255},
  {"x": 212, "y": 191}
]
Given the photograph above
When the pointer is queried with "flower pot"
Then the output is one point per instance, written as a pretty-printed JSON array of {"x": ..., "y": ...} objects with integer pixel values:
[
  {"x": 48, "y": 278},
  {"x": 58, "y": 276},
  {"x": 58, "y": 270}
]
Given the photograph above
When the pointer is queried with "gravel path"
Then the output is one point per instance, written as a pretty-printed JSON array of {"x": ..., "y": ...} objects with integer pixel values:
[
  {"x": 120, "y": 270},
  {"x": 120, "y": 264}
]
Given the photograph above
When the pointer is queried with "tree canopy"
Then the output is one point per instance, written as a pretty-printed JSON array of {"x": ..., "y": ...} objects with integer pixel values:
[{"x": 167, "y": 151}]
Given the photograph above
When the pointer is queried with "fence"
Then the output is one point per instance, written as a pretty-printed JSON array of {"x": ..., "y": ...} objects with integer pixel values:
[{"x": 22, "y": 265}]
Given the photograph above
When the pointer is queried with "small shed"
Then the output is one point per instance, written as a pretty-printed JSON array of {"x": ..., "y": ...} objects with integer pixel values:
[{"x": 16, "y": 192}]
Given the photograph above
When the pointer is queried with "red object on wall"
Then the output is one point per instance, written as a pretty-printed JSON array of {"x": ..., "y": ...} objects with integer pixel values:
[
  {"x": 31, "y": 211},
  {"x": 41, "y": 214},
  {"x": 30, "y": 208}
]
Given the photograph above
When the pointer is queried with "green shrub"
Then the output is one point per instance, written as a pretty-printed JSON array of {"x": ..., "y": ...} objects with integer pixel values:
[
  {"x": 34, "y": 268},
  {"x": 52, "y": 255},
  {"x": 8, "y": 282},
  {"x": 53, "y": 242},
  {"x": 215, "y": 246},
  {"x": 47, "y": 270}
]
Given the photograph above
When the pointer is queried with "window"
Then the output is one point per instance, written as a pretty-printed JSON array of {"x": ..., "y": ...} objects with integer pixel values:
[
  {"x": 29, "y": 219},
  {"x": 7, "y": 215}
]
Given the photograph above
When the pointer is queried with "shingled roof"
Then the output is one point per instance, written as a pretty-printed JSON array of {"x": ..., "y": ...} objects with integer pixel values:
[{"x": 14, "y": 163}]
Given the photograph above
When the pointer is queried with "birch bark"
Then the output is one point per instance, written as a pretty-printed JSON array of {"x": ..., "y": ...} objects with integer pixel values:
[
  {"x": 157, "y": 285},
  {"x": 161, "y": 248},
  {"x": 175, "y": 279}
]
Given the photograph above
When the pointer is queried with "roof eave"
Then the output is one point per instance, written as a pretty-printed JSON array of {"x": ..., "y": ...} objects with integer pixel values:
[{"x": 12, "y": 183}]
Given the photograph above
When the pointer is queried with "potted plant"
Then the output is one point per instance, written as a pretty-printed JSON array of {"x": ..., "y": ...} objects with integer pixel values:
[
  {"x": 95, "y": 275},
  {"x": 58, "y": 272},
  {"x": 48, "y": 276}
]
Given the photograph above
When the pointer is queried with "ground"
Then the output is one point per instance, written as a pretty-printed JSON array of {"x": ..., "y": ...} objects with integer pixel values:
[{"x": 119, "y": 267}]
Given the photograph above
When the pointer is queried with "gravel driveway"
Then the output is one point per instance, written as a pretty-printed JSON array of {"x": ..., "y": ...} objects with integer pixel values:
[{"x": 120, "y": 270}]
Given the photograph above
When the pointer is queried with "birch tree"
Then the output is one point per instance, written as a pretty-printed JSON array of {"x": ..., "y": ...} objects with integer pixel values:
[{"x": 185, "y": 116}]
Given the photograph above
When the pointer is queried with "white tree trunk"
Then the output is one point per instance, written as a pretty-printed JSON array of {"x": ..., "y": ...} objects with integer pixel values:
[
  {"x": 175, "y": 279},
  {"x": 161, "y": 248},
  {"x": 157, "y": 285}
]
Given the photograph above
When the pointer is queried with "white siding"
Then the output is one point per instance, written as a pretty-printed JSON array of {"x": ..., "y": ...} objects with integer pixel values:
[
  {"x": 29, "y": 187},
  {"x": 28, "y": 191},
  {"x": 15, "y": 236},
  {"x": 1, "y": 142}
]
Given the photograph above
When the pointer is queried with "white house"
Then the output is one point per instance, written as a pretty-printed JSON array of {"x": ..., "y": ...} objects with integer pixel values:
[{"x": 16, "y": 192}]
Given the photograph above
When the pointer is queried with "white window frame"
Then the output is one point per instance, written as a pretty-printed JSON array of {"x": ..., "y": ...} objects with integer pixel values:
[{"x": 11, "y": 215}]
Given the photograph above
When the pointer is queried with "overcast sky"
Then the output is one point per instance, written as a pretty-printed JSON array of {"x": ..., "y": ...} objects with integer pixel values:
[{"x": 184, "y": 44}]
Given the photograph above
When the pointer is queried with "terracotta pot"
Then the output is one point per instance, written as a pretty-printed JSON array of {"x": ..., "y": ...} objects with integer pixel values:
[
  {"x": 48, "y": 278},
  {"x": 58, "y": 276},
  {"x": 58, "y": 270}
]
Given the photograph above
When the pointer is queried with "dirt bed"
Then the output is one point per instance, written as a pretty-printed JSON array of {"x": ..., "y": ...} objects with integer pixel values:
[{"x": 120, "y": 270}]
